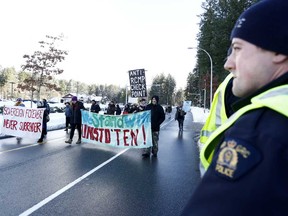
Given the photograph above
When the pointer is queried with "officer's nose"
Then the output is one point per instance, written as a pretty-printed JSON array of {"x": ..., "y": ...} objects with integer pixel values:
[{"x": 229, "y": 65}]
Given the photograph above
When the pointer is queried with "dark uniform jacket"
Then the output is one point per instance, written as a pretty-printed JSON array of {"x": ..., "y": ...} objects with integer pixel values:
[{"x": 259, "y": 185}]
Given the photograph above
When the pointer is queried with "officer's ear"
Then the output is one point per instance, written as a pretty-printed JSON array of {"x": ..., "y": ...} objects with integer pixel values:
[{"x": 279, "y": 58}]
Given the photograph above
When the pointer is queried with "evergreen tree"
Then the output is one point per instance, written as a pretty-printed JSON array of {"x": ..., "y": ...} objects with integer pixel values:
[
  {"x": 216, "y": 24},
  {"x": 164, "y": 87}
]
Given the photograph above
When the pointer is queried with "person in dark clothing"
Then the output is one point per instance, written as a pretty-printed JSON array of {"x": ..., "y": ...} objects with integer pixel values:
[
  {"x": 118, "y": 110},
  {"x": 111, "y": 108},
  {"x": 42, "y": 104},
  {"x": 180, "y": 116},
  {"x": 157, "y": 117},
  {"x": 142, "y": 105},
  {"x": 76, "y": 119},
  {"x": 46, "y": 104},
  {"x": 133, "y": 108},
  {"x": 68, "y": 113},
  {"x": 95, "y": 108},
  {"x": 168, "y": 111},
  {"x": 126, "y": 109}
]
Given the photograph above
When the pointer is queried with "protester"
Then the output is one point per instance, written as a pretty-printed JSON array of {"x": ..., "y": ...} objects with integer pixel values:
[
  {"x": 157, "y": 117},
  {"x": 126, "y": 109},
  {"x": 46, "y": 104},
  {"x": 142, "y": 105},
  {"x": 76, "y": 119},
  {"x": 68, "y": 113},
  {"x": 19, "y": 102},
  {"x": 111, "y": 108},
  {"x": 168, "y": 111},
  {"x": 180, "y": 116},
  {"x": 47, "y": 109},
  {"x": 43, "y": 104},
  {"x": 118, "y": 110},
  {"x": 133, "y": 108},
  {"x": 246, "y": 157},
  {"x": 95, "y": 108}
]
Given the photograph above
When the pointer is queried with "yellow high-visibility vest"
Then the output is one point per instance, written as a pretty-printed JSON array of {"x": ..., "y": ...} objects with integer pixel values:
[
  {"x": 217, "y": 115},
  {"x": 275, "y": 99}
]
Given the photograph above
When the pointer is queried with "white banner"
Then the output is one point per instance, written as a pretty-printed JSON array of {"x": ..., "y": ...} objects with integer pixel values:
[{"x": 22, "y": 122}]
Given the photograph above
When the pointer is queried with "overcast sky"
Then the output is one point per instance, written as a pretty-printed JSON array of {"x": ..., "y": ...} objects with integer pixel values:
[{"x": 105, "y": 38}]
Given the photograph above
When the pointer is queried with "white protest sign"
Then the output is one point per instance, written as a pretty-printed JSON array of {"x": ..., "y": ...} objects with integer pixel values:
[{"x": 22, "y": 122}]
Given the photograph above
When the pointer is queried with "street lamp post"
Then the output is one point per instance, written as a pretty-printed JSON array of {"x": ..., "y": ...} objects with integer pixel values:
[
  {"x": 12, "y": 83},
  {"x": 211, "y": 71},
  {"x": 126, "y": 95},
  {"x": 204, "y": 99}
]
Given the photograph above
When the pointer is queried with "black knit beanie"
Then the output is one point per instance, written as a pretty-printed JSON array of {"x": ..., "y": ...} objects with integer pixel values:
[{"x": 265, "y": 24}]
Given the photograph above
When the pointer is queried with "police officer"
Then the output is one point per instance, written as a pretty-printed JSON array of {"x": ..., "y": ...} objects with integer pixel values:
[
  {"x": 247, "y": 172},
  {"x": 220, "y": 111}
]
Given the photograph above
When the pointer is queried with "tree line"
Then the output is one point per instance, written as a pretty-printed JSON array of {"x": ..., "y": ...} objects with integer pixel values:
[
  {"x": 216, "y": 23},
  {"x": 10, "y": 80}
]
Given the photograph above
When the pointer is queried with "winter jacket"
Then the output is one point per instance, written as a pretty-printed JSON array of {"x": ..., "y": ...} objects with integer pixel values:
[
  {"x": 68, "y": 111},
  {"x": 118, "y": 110},
  {"x": 111, "y": 109},
  {"x": 76, "y": 117},
  {"x": 95, "y": 108},
  {"x": 157, "y": 115},
  {"x": 180, "y": 113}
]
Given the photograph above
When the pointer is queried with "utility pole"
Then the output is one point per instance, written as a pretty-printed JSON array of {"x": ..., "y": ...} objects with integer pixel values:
[{"x": 12, "y": 83}]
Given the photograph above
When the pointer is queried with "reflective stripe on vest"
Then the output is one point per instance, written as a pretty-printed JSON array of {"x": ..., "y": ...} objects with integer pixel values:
[
  {"x": 217, "y": 114},
  {"x": 275, "y": 99}
]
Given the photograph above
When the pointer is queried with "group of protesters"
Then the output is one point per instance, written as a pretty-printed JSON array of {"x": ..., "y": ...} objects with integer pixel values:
[{"x": 74, "y": 118}]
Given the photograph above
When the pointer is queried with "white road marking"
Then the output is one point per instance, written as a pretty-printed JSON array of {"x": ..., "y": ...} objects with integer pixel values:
[
  {"x": 28, "y": 146},
  {"x": 23, "y": 147},
  {"x": 67, "y": 187}
]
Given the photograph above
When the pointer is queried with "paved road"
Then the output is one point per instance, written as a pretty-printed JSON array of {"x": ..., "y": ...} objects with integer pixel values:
[{"x": 58, "y": 179}]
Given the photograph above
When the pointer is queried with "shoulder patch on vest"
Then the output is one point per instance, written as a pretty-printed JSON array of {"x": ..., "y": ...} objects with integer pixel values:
[{"x": 235, "y": 158}]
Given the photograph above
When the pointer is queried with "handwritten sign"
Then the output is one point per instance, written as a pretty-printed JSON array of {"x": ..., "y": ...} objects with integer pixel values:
[
  {"x": 137, "y": 83},
  {"x": 187, "y": 106},
  {"x": 126, "y": 131},
  {"x": 22, "y": 122}
]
